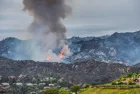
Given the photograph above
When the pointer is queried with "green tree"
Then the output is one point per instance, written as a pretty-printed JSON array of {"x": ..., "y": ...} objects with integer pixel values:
[
  {"x": 4, "y": 79},
  {"x": 135, "y": 75},
  {"x": 129, "y": 75},
  {"x": 12, "y": 80},
  {"x": 63, "y": 91},
  {"x": 51, "y": 91},
  {"x": 122, "y": 79},
  {"x": 24, "y": 89},
  {"x": 75, "y": 89},
  {"x": 87, "y": 86},
  {"x": 65, "y": 84},
  {"x": 131, "y": 82}
]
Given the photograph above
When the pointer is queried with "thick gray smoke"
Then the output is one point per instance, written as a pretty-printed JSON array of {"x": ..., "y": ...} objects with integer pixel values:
[{"x": 47, "y": 30}]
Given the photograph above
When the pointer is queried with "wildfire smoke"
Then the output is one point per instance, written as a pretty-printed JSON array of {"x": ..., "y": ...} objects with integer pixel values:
[{"x": 47, "y": 29}]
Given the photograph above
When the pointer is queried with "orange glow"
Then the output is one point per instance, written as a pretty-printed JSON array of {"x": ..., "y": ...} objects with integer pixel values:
[
  {"x": 49, "y": 58},
  {"x": 61, "y": 55},
  {"x": 65, "y": 51}
]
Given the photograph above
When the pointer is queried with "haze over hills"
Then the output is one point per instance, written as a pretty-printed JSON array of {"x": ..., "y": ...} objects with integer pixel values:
[
  {"x": 95, "y": 60},
  {"x": 119, "y": 47},
  {"x": 116, "y": 48}
]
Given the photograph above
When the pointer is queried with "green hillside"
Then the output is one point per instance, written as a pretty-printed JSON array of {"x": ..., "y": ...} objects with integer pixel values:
[
  {"x": 112, "y": 91},
  {"x": 127, "y": 84}
]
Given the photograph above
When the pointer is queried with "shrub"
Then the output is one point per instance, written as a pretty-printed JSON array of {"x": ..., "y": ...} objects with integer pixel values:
[
  {"x": 115, "y": 82},
  {"x": 123, "y": 79},
  {"x": 131, "y": 82},
  {"x": 75, "y": 89},
  {"x": 51, "y": 91},
  {"x": 120, "y": 83},
  {"x": 63, "y": 91},
  {"x": 87, "y": 86},
  {"x": 129, "y": 75}
]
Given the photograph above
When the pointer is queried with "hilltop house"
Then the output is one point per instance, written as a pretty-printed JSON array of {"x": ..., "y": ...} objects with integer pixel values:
[
  {"x": 4, "y": 88},
  {"x": 135, "y": 79}
]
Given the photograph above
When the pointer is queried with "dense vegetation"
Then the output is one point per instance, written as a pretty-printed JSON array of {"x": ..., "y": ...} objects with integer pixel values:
[
  {"x": 76, "y": 89},
  {"x": 127, "y": 84},
  {"x": 129, "y": 79},
  {"x": 112, "y": 91}
]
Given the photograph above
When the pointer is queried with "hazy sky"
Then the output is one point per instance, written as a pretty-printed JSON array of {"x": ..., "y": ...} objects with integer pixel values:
[{"x": 89, "y": 18}]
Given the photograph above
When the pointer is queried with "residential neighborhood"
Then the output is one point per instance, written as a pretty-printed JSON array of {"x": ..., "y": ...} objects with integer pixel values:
[{"x": 12, "y": 84}]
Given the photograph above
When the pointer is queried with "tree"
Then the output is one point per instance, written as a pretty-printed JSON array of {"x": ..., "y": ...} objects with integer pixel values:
[
  {"x": 65, "y": 84},
  {"x": 24, "y": 89},
  {"x": 87, "y": 86},
  {"x": 135, "y": 75},
  {"x": 12, "y": 80},
  {"x": 129, "y": 75},
  {"x": 63, "y": 91},
  {"x": 51, "y": 91},
  {"x": 122, "y": 79},
  {"x": 4, "y": 79},
  {"x": 131, "y": 82},
  {"x": 75, "y": 89}
]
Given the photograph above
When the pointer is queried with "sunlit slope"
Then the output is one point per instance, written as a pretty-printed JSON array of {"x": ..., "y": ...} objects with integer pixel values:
[{"x": 112, "y": 91}]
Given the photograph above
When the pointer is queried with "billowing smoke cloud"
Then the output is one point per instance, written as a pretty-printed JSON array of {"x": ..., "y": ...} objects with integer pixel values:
[{"x": 47, "y": 30}]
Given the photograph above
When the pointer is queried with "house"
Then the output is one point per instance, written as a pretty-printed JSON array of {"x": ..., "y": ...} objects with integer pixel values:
[
  {"x": 11, "y": 77},
  {"x": 19, "y": 84},
  {"x": 127, "y": 81},
  {"x": 46, "y": 87},
  {"x": 33, "y": 93},
  {"x": 4, "y": 88},
  {"x": 21, "y": 76},
  {"x": 51, "y": 85},
  {"x": 137, "y": 81},
  {"x": 29, "y": 84},
  {"x": 34, "y": 84},
  {"x": 61, "y": 80},
  {"x": 135, "y": 78},
  {"x": 42, "y": 84},
  {"x": 5, "y": 84}
]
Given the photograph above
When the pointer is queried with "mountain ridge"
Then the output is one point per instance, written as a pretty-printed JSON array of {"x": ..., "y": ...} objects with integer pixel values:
[
  {"x": 77, "y": 73},
  {"x": 117, "y": 48}
]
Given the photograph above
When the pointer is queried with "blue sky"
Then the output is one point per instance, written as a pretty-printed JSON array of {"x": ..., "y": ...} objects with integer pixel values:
[{"x": 89, "y": 18}]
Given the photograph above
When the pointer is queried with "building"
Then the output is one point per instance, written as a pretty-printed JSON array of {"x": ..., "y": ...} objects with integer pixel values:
[{"x": 4, "y": 88}]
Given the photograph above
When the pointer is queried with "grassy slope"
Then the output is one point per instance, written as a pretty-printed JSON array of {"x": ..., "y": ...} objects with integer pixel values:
[{"x": 112, "y": 91}]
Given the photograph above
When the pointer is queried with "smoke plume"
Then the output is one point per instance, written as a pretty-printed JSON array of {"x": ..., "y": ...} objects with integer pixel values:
[{"x": 47, "y": 29}]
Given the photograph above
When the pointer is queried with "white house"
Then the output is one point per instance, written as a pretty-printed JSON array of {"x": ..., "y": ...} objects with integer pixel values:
[
  {"x": 51, "y": 85},
  {"x": 5, "y": 84},
  {"x": 42, "y": 84},
  {"x": 19, "y": 84},
  {"x": 29, "y": 84}
]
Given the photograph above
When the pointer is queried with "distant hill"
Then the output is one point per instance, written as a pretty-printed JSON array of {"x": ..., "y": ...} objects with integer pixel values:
[
  {"x": 90, "y": 72},
  {"x": 137, "y": 65},
  {"x": 116, "y": 48}
]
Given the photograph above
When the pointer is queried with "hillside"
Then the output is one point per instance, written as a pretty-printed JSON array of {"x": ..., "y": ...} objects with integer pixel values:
[
  {"x": 91, "y": 72},
  {"x": 116, "y": 48},
  {"x": 127, "y": 84},
  {"x": 112, "y": 91}
]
